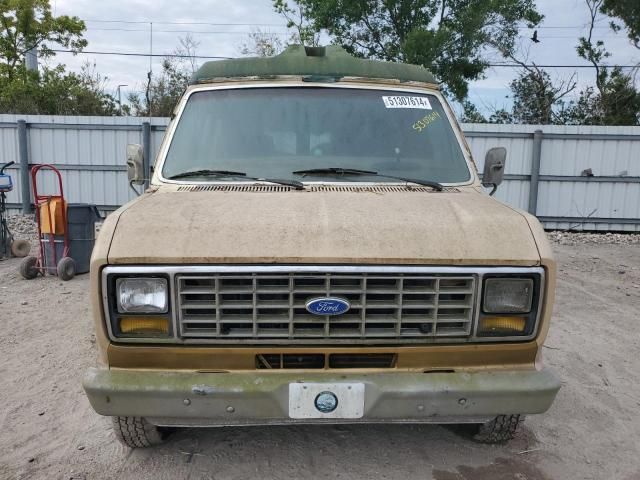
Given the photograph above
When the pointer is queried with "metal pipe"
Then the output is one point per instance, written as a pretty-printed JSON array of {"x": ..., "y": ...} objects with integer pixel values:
[
  {"x": 31, "y": 59},
  {"x": 120, "y": 98},
  {"x": 146, "y": 148},
  {"x": 535, "y": 171},
  {"x": 23, "y": 149}
]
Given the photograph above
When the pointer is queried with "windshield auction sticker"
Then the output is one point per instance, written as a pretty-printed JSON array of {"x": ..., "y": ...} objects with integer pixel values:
[
  {"x": 407, "y": 102},
  {"x": 427, "y": 120}
]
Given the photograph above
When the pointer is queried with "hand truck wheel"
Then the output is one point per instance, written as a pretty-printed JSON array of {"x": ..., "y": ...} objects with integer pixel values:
[
  {"x": 66, "y": 268},
  {"x": 29, "y": 268}
]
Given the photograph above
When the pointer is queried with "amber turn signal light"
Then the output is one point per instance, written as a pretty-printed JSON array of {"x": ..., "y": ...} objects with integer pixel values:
[
  {"x": 503, "y": 325},
  {"x": 144, "y": 325}
]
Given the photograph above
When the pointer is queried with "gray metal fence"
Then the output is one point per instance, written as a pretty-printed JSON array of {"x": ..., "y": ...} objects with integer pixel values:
[
  {"x": 582, "y": 177},
  {"x": 569, "y": 176},
  {"x": 89, "y": 151}
]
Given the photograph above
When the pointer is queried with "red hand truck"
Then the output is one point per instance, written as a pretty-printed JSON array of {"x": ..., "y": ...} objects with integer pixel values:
[{"x": 49, "y": 260}]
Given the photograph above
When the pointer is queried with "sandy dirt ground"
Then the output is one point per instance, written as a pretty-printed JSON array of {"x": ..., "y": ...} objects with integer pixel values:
[{"x": 48, "y": 430}]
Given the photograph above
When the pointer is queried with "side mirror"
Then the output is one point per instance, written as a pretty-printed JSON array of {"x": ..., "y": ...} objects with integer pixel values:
[
  {"x": 494, "y": 168},
  {"x": 135, "y": 164}
]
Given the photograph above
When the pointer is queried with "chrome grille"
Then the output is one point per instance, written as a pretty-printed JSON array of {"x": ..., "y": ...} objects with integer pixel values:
[{"x": 266, "y": 307}]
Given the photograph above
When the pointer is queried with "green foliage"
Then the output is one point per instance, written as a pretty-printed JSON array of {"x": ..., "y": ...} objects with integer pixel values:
[
  {"x": 533, "y": 98},
  {"x": 54, "y": 92},
  {"x": 538, "y": 100},
  {"x": 262, "y": 44},
  {"x": 501, "y": 116},
  {"x": 164, "y": 91},
  {"x": 299, "y": 19},
  {"x": 471, "y": 114},
  {"x": 450, "y": 37},
  {"x": 27, "y": 24},
  {"x": 616, "y": 102},
  {"x": 629, "y": 12}
]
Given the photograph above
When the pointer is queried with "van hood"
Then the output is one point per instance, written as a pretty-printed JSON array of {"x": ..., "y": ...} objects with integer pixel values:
[{"x": 407, "y": 227}]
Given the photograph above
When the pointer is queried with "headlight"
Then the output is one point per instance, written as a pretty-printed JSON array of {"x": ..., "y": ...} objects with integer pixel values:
[
  {"x": 508, "y": 295},
  {"x": 141, "y": 295},
  {"x": 509, "y": 306}
]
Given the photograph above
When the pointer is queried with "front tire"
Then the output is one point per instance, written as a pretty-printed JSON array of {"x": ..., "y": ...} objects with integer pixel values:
[
  {"x": 499, "y": 430},
  {"x": 136, "y": 432}
]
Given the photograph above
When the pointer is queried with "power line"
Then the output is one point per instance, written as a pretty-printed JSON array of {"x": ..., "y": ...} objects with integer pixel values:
[
  {"x": 135, "y": 54},
  {"x": 539, "y": 27},
  {"x": 552, "y": 37},
  {"x": 189, "y": 23},
  {"x": 236, "y": 32},
  {"x": 516, "y": 65},
  {"x": 491, "y": 65},
  {"x": 239, "y": 32},
  {"x": 568, "y": 27}
]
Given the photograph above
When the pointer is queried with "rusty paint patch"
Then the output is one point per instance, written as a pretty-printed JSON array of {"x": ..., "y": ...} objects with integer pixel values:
[{"x": 203, "y": 390}]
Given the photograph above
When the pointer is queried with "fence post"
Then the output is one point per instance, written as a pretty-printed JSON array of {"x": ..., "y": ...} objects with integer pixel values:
[
  {"x": 23, "y": 149},
  {"x": 535, "y": 171},
  {"x": 146, "y": 148}
]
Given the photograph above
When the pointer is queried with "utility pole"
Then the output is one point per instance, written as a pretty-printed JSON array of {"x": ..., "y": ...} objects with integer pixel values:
[
  {"x": 120, "y": 98},
  {"x": 31, "y": 55},
  {"x": 31, "y": 59}
]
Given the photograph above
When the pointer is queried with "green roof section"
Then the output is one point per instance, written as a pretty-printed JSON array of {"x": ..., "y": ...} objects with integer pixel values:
[{"x": 298, "y": 60}]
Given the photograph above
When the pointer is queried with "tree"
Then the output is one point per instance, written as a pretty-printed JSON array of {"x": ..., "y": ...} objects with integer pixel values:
[
  {"x": 56, "y": 92},
  {"x": 29, "y": 24},
  {"x": 617, "y": 102},
  {"x": 262, "y": 44},
  {"x": 501, "y": 116},
  {"x": 629, "y": 12},
  {"x": 451, "y": 37},
  {"x": 471, "y": 114},
  {"x": 165, "y": 89},
  {"x": 537, "y": 99},
  {"x": 299, "y": 19},
  {"x": 187, "y": 52}
]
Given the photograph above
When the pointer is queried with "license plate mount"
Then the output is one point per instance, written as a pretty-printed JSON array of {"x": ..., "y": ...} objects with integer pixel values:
[{"x": 326, "y": 400}]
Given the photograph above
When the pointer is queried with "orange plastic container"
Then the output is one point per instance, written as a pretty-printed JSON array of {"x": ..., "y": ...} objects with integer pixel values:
[{"x": 52, "y": 208}]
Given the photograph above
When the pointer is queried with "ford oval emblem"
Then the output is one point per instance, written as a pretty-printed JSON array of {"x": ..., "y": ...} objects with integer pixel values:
[{"x": 328, "y": 306}]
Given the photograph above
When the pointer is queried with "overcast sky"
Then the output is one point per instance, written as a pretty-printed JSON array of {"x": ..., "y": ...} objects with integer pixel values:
[{"x": 221, "y": 26}]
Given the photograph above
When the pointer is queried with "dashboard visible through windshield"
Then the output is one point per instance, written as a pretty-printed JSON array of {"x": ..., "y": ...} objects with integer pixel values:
[{"x": 278, "y": 132}]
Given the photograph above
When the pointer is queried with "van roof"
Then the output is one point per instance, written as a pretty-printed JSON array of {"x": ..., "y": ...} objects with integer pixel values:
[{"x": 298, "y": 60}]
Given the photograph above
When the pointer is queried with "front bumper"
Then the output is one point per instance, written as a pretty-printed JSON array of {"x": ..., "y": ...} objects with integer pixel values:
[{"x": 257, "y": 398}]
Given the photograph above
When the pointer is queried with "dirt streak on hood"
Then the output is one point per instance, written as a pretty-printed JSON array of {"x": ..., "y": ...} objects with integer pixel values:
[{"x": 456, "y": 228}]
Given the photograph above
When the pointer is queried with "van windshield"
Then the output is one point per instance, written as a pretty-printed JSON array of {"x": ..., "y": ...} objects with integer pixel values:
[{"x": 276, "y": 132}]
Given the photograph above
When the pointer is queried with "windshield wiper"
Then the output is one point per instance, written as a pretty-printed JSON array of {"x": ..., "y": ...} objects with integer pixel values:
[
  {"x": 336, "y": 170},
  {"x": 354, "y": 171},
  {"x": 208, "y": 173},
  {"x": 229, "y": 173}
]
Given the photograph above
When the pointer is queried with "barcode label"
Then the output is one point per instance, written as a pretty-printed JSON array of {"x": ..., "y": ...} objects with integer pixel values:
[{"x": 407, "y": 102}]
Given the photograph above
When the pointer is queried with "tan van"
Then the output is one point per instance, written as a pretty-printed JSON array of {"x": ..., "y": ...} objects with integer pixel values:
[{"x": 316, "y": 246}]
